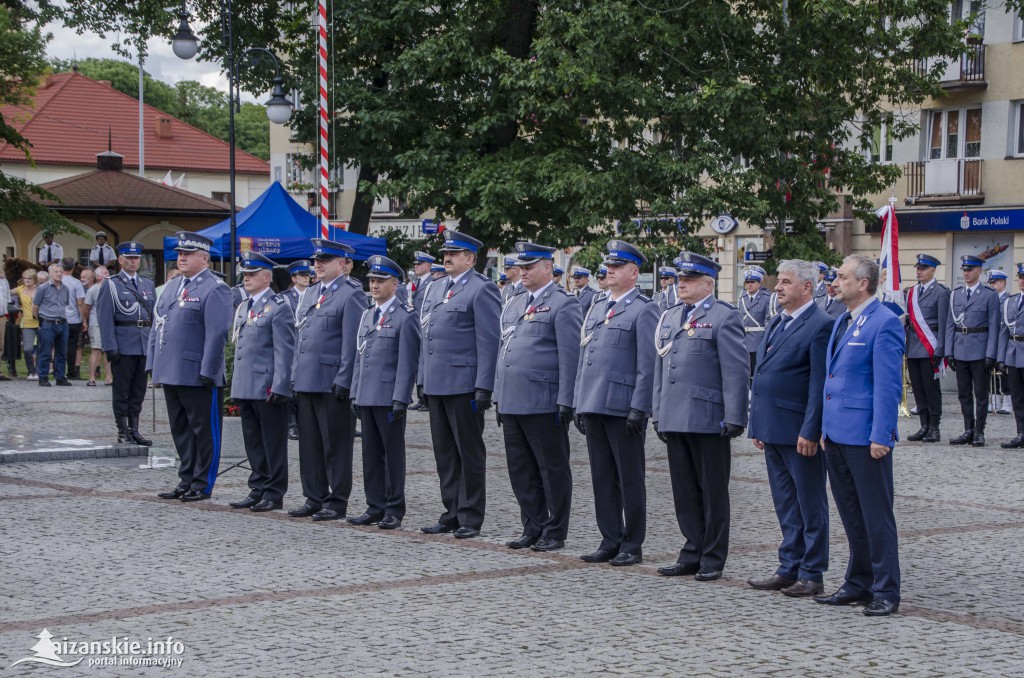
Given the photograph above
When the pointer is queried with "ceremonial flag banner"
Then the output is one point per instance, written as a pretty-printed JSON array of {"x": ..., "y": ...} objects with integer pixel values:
[{"x": 889, "y": 260}]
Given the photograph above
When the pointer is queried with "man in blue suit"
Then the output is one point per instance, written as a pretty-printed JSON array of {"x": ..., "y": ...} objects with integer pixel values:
[
  {"x": 863, "y": 386},
  {"x": 785, "y": 422}
]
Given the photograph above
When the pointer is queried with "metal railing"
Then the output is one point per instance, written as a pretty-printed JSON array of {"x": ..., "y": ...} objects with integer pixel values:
[
  {"x": 969, "y": 178},
  {"x": 970, "y": 70}
]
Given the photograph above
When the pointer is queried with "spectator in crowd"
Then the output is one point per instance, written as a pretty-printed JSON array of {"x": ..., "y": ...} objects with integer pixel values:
[
  {"x": 5, "y": 301},
  {"x": 75, "y": 310},
  {"x": 102, "y": 254},
  {"x": 93, "y": 323},
  {"x": 50, "y": 252},
  {"x": 50, "y": 304},
  {"x": 42, "y": 277},
  {"x": 29, "y": 322}
]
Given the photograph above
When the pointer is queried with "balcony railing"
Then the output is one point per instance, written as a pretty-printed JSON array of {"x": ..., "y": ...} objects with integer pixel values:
[
  {"x": 950, "y": 182},
  {"x": 968, "y": 73}
]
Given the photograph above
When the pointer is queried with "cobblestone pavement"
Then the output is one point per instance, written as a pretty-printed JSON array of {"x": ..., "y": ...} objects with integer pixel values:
[{"x": 90, "y": 553}]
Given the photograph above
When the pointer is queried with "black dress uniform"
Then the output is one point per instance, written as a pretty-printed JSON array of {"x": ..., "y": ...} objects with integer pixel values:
[{"x": 927, "y": 315}]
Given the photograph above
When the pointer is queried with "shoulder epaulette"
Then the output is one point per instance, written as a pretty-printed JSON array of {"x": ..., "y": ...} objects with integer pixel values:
[
  {"x": 942, "y": 286},
  {"x": 642, "y": 297},
  {"x": 353, "y": 283},
  {"x": 727, "y": 304},
  {"x": 564, "y": 291},
  {"x": 958, "y": 288},
  {"x": 278, "y": 298},
  {"x": 481, "y": 276}
]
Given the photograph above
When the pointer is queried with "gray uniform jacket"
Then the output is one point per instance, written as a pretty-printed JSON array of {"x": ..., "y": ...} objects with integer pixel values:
[
  {"x": 325, "y": 347},
  {"x": 292, "y": 294},
  {"x": 754, "y": 313},
  {"x": 616, "y": 369},
  {"x": 701, "y": 377},
  {"x": 1011, "y": 332},
  {"x": 666, "y": 298},
  {"x": 119, "y": 302},
  {"x": 264, "y": 348},
  {"x": 539, "y": 353},
  {"x": 511, "y": 290},
  {"x": 461, "y": 331},
  {"x": 982, "y": 311},
  {"x": 934, "y": 305},
  {"x": 421, "y": 288},
  {"x": 190, "y": 332},
  {"x": 387, "y": 357},
  {"x": 833, "y": 306},
  {"x": 586, "y": 298}
]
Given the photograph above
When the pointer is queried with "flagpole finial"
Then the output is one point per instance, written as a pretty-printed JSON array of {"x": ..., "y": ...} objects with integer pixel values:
[{"x": 892, "y": 200}]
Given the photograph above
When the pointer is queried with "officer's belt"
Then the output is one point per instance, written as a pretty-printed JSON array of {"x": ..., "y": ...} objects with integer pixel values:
[
  {"x": 1017, "y": 337},
  {"x": 55, "y": 321},
  {"x": 133, "y": 323},
  {"x": 933, "y": 328},
  {"x": 970, "y": 330},
  {"x": 753, "y": 329}
]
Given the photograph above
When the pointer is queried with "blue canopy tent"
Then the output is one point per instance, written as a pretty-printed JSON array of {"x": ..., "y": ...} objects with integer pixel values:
[{"x": 276, "y": 226}]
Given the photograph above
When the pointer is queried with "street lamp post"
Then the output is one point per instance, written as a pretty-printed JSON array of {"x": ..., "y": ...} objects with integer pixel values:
[{"x": 279, "y": 109}]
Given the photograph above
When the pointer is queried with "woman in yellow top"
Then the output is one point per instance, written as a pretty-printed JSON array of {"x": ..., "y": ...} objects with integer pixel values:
[{"x": 29, "y": 323}]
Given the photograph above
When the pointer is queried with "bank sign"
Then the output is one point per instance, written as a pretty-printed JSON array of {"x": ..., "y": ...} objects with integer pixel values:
[{"x": 961, "y": 220}]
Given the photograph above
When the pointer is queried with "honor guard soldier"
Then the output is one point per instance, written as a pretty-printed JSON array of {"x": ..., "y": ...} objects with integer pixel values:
[
  {"x": 421, "y": 268},
  {"x": 667, "y": 296},
  {"x": 102, "y": 254},
  {"x": 387, "y": 357},
  {"x": 458, "y": 356},
  {"x": 533, "y": 393},
  {"x": 515, "y": 277},
  {"x": 264, "y": 333},
  {"x": 186, "y": 356},
  {"x": 971, "y": 346},
  {"x": 753, "y": 306},
  {"x": 700, "y": 405},
  {"x": 999, "y": 391},
  {"x": 833, "y": 305},
  {"x": 1011, "y": 355},
  {"x": 124, "y": 310},
  {"x": 300, "y": 272},
  {"x": 584, "y": 292},
  {"x": 927, "y": 316},
  {"x": 614, "y": 382},
  {"x": 325, "y": 351},
  {"x": 558, "y": 273}
]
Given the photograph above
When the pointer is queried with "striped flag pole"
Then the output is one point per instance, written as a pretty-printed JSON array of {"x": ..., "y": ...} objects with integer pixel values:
[
  {"x": 322, "y": 65},
  {"x": 889, "y": 258}
]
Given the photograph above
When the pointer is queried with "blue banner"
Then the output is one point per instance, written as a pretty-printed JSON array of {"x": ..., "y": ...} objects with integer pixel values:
[{"x": 958, "y": 221}]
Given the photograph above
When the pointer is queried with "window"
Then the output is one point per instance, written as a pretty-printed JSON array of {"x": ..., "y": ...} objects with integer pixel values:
[
  {"x": 1018, "y": 129},
  {"x": 223, "y": 196},
  {"x": 954, "y": 134},
  {"x": 1018, "y": 28},
  {"x": 881, "y": 144}
]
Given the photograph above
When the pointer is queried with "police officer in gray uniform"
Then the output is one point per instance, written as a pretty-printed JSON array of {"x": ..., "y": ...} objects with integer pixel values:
[
  {"x": 186, "y": 355},
  {"x": 325, "y": 353},
  {"x": 421, "y": 267},
  {"x": 300, "y": 271},
  {"x": 458, "y": 356},
  {"x": 700, "y": 405},
  {"x": 1011, "y": 355},
  {"x": 613, "y": 403},
  {"x": 666, "y": 296},
  {"x": 264, "y": 331},
  {"x": 927, "y": 316},
  {"x": 831, "y": 303},
  {"x": 515, "y": 283},
  {"x": 971, "y": 346},
  {"x": 584, "y": 292},
  {"x": 819, "y": 289},
  {"x": 533, "y": 393},
  {"x": 387, "y": 358},
  {"x": 753, "y": 307},
  {"x": 124, "y": 310}
]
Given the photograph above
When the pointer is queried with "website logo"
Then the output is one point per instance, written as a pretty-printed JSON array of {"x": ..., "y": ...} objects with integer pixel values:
[
  {"x": 123, "y": 651},
  {"x": 46, "y": 653}
]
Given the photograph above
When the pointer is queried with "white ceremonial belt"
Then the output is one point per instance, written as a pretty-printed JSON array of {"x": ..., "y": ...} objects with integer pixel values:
[{"x": 753, "y": 329}]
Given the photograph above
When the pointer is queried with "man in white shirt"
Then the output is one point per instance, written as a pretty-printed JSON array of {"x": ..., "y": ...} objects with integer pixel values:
[
  {"x": 50, "y": 252},
  {"x": 102, "y": 254}
]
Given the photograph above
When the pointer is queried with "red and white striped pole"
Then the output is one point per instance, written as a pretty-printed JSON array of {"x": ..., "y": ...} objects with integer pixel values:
[{"x": 322, "y": 66}]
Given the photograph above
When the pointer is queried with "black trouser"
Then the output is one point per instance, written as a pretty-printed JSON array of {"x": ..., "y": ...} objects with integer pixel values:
[
  {"x": 537, "y": 450},
  {"x": 293, "y": 412},
  {"x": 620, "y": 489},
  {"x": 383, "y": 461},
  {"x": 74, "y": 343},
  {"x": 753, "y": 364},
  {"x": 265, "y": 434},
  {"x": 972, "y": 390},
  {"x": 129, "y": 389},
  {"x": 194, "y": 413},
  {"x": 699, "y": 464},
  {"x": 457, "y": 435},
  {"x": 927, "y": 393},
  {"x": 326, "y": 438},
  {"x": 1015, "y": 378}
]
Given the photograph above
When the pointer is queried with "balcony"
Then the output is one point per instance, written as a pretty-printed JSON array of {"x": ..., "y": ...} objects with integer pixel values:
[
  {"x": 967, "y": 73},
  {"x": 945, "y": 182}
]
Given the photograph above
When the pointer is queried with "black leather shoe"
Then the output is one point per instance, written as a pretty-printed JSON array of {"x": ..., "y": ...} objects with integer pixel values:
[
  {"x": 964, "y": 438},
  {"x": 804, "y": 588},
  {"x": 437, "y": 528},
  {"x": 919, "y": 436},
  {"x": 266, "y": 505},
  {"x": 45, "y": 382},
  {"x": 880, "y": 607},
  {"x": 365, "y": 519},
  {"x": 327, "y": 514},
  {"x": 173, "y": 494},
  {"x": 979, "y": 439},
  {"x": 708, "y": 574},
  {"x": 466, "y": 532},
  {"x": 1016, "y": 442},
  {"x": 417, "y": 406},
  {"x": 248, "y": 502},
  {"x": 679, "y": 570},
  {"x": 304, "y": 511},
  {"x": 390, "y": 523},
  {"x": 194, "y": 495},
  {"x": 598, "y": 556},
  {"x": 64, "y": 382},
  {"x": 545, "y": 544},
  {"x": 772, "y": 583},
  {"x": 293, "y": 433},
  {"x": 624, "y": 559},
  {"x": 933, "y": 436},
  {"x": 844, "y": 597},
  {"x": 525, "y": 541}
]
